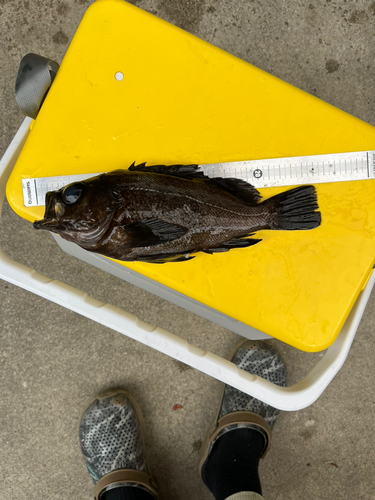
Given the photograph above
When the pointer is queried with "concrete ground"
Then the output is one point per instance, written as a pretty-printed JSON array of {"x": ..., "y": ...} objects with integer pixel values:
[{"x": 53, "y": 361}]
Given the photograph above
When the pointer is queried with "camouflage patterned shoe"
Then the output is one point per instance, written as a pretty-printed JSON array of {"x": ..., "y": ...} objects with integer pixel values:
[
  {"x": 111, "y": 435},
  {"x": 238, "y": 409}
]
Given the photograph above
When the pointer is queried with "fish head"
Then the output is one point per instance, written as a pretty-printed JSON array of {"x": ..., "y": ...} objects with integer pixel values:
[{"x": 80, "y": 212}]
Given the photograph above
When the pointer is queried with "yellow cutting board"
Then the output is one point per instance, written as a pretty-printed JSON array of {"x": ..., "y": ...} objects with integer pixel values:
[{"x": 182, "y": 100}]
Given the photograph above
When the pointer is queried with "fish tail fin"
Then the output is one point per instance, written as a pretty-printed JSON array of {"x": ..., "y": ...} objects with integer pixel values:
[{"x": 295, "y": 209}]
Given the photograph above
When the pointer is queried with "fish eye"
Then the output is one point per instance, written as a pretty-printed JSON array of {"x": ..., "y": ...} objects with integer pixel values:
[{"x": 72, "y": 193}]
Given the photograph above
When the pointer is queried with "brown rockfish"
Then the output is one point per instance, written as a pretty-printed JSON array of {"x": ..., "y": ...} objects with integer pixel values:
[{"x": 166, "y": 213}]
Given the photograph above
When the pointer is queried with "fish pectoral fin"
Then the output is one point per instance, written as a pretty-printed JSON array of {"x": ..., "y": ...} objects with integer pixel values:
[
  {"x": 235, "y": 243},
  {"x": 165, "y": 258},
  {"x": 149, "y": 232},
  {"x": 238, "y": 188},
  {"x": 184, "y": 171}
]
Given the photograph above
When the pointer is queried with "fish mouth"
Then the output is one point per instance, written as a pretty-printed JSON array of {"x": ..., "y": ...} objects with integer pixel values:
[
  {"x": 52, "y": 211},
  {"x": 85, "y": 237},
  {"x": 49, "y": 224}
]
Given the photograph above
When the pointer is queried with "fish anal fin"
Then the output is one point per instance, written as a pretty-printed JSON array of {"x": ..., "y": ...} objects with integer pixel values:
[
  {"x": 234, "y": 243},
  {"x": 150, "y": 232},
  {"x": 165, "y": 258}
]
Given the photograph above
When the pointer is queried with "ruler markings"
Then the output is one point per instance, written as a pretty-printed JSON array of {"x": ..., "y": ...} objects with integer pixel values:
[
  {"x": 368, "y": 164},
  {"x": 260, "y": 173}
]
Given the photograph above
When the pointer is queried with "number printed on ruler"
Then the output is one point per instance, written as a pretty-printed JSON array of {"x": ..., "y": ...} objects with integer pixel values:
[{"x": 298, "y": 170}]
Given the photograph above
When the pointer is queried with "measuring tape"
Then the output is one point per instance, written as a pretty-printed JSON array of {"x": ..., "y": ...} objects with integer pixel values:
[{"x": 297, "y": 170}]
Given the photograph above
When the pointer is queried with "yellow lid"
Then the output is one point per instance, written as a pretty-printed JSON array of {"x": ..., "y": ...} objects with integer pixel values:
[{"x": 183, "y": 100}]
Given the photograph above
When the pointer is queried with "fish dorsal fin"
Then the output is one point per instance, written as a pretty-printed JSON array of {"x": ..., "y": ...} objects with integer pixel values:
[
  {"x": 238, "y": 188},
  {"x": 184, "y": 171},
  {"x": 150, "y": 232}
]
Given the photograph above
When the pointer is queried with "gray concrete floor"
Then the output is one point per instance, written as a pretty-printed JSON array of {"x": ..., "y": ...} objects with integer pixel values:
[{"x": 53, "y": 361}]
